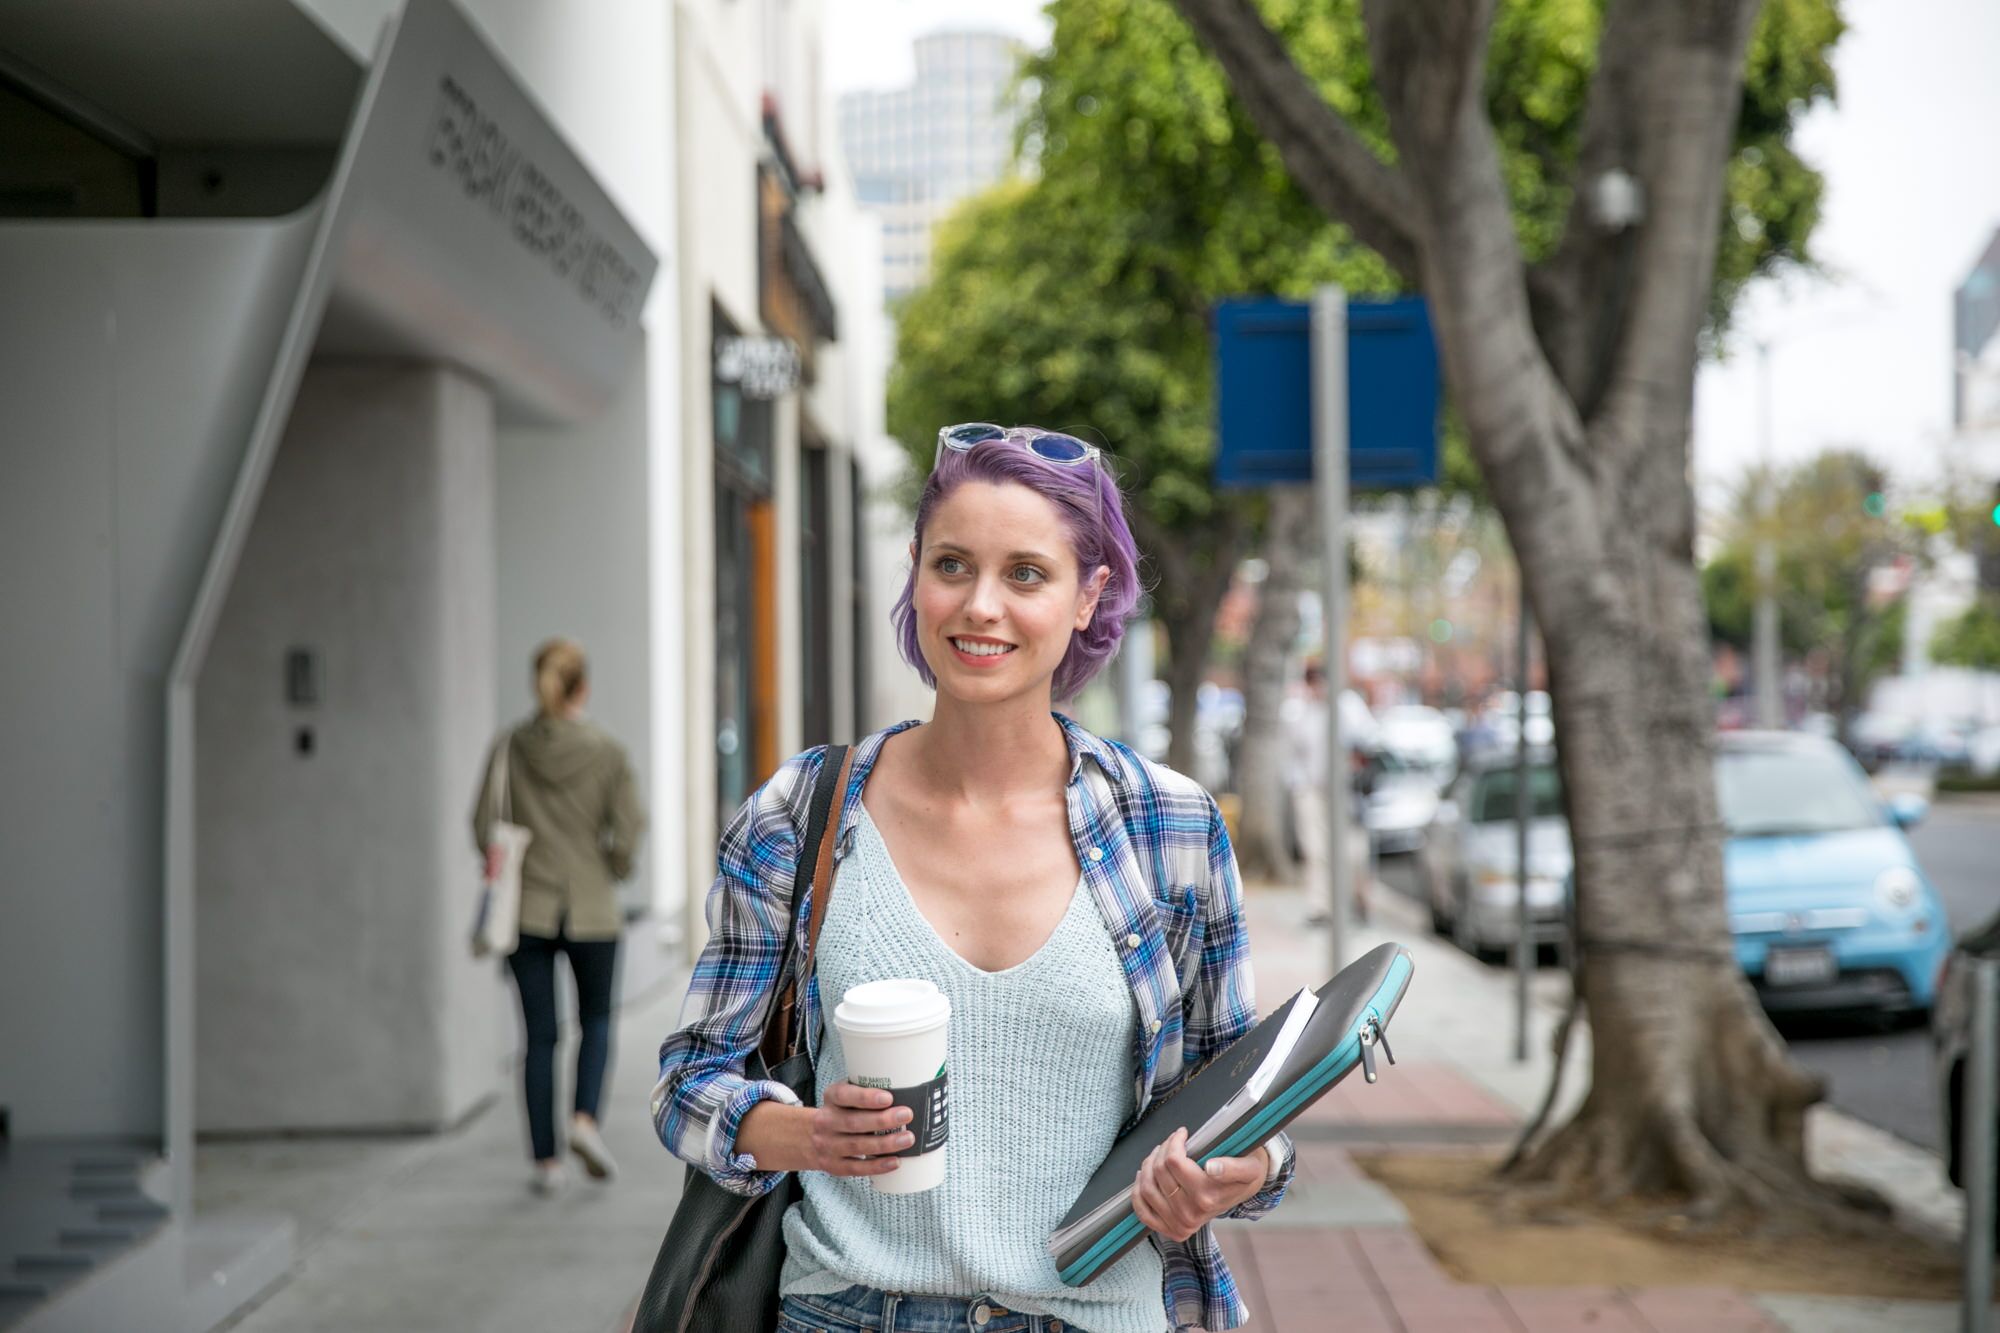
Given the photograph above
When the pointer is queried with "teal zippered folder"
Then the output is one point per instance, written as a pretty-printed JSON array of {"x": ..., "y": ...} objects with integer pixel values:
[{"x": 1349, "y": 1019}]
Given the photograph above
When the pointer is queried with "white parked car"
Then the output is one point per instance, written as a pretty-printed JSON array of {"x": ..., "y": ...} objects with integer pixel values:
[
  {"x": 1400, "y": 811},
  {"x": 1422, "y": 738},
  {"x": 1982, "y": 751}
]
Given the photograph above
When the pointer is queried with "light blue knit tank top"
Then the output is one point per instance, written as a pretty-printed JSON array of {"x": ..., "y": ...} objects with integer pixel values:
[{"x": 1040, "y": 1057}]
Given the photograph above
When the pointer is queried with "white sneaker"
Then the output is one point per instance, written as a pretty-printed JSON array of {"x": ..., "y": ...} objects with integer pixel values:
[
  {"x": 589, "y": 1147},
  {"x": 549, "y": 1179}
]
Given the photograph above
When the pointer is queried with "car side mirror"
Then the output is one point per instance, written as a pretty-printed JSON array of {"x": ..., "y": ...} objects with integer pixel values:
[{"x": 1908, "y": 809}]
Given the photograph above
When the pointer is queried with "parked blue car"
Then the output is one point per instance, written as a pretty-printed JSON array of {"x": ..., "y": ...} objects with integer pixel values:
[{"x": 1827, "y": 903}]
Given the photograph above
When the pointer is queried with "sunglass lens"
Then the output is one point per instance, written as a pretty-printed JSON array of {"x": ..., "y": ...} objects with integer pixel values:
[
  {"x": 973, "y": 434},
  {"x": 1059, "y": 448}
]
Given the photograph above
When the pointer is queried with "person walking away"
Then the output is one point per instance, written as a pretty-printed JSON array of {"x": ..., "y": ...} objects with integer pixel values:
[
  {"x": 571, "y": 785},
  {"x": 1305, "y": 780}
]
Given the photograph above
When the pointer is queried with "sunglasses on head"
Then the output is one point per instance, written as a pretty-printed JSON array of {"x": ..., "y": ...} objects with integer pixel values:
[{"x": 1049, "y": 446}]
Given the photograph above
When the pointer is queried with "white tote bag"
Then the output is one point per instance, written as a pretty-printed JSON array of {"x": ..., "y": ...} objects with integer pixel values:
[{"x": 497, "y": 928}]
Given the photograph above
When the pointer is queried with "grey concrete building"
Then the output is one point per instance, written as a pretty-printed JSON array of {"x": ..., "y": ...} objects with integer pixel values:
[
  {"x": 333, "y": 382},
  {"x": 352, "y": 348}
]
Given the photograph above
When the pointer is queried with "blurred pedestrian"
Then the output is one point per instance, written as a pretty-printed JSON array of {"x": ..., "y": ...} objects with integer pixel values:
[
  {"x": 570, "y": 784},
  {"x": 1077, "y": 904},
  {"x": 1305, "y": 780}
]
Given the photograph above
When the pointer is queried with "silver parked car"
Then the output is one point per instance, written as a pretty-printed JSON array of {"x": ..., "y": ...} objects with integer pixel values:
[{"x": 1469, "y": 862}]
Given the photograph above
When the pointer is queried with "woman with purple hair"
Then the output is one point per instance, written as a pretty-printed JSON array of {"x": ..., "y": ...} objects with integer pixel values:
[{"x": 1077, "y": 904}]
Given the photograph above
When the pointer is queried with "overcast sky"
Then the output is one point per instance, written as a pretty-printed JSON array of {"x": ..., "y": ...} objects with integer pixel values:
[{"x": 1862, "y": 356}]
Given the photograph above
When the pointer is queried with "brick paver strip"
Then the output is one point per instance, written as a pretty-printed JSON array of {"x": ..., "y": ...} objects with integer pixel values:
[
  {"x": 1307, "y": 1282},
  {"x": 1455, "y": 1310},
  {"x": 1574, "y": 1310},
  {"x": 1385, "y": 1280}
]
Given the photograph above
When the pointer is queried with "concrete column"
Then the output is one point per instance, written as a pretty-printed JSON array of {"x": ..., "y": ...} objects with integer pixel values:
[{"x": 336, "y": 876}]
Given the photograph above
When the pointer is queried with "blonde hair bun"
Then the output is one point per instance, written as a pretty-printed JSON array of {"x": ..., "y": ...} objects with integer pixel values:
[{"x": 560, "y": 672}]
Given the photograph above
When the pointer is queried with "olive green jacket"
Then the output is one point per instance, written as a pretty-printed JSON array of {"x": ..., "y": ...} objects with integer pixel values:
[{"x": 572, "y": 787}]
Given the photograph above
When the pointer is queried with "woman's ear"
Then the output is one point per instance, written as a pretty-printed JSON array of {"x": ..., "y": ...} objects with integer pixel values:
[{"x": 1093, "y": 589}]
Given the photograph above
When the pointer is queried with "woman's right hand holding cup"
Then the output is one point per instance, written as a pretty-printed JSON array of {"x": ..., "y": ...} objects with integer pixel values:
[
  {"x": 842, "y": 1138},
  {"x": 847, "y": 1135}
]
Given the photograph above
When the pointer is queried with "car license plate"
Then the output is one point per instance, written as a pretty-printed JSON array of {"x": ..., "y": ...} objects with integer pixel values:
[{"x": 1799, "y": 967}]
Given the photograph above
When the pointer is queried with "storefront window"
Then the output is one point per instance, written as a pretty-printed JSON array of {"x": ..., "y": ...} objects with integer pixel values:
[
  {"x": 743, "y": 666},
  {"x": 816, "y": 605}
]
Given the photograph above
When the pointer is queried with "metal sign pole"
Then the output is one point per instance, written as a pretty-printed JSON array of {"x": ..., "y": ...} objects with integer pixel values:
[
  {"x": 1329, "y": 430},
  {"x": 1977, "y": 1128},
  {"x": 1524, "y": 806}
]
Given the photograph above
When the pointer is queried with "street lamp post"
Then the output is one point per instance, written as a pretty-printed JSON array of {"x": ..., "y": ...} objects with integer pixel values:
[
  {"x": 1764, "y": 643},
  {"x": 1764, "y": 648}
]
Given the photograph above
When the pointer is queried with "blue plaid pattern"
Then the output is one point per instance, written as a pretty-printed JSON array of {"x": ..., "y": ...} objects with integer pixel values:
[{"x": 1157, "y": 859}]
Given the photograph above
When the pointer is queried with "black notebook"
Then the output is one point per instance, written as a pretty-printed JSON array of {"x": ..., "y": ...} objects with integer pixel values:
[{"x": 1240, "y": 1098}]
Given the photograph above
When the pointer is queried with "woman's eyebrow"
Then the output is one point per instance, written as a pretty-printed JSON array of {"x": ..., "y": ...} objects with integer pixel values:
[{"x": 1011, "y": 555}]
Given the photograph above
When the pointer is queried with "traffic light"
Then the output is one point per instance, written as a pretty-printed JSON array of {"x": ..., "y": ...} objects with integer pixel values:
[{"x": 1875, "y": 505}]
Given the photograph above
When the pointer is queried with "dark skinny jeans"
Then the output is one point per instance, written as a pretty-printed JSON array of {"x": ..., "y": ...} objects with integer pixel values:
[{"x": 594, "y": 964}]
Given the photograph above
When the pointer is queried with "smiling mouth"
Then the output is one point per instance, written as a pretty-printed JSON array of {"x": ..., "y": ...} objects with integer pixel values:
[{"x": 973, "y": 648}]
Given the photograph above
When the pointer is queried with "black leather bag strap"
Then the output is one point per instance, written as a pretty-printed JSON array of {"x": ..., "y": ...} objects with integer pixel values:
[
  {"x": 814, "y": 877},
  {"x": 718, "y": 1267}
]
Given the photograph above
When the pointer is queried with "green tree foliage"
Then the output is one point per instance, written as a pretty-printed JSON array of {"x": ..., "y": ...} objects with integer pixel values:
[
  {"x": 1971, "y": 639},
  {"x": 1082, "y": 298},
  {"x": 1079, "y": 299},
  {"x": 1831, "y": 527}
]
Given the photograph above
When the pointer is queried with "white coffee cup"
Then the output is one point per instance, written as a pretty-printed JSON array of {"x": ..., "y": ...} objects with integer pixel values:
[{"x": 892, "y": 1035}]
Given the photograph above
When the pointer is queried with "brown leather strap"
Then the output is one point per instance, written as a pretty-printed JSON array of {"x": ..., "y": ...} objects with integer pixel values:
[
  {"x": 822, "y": 885},
  {"x": 781, "y": 1037}
]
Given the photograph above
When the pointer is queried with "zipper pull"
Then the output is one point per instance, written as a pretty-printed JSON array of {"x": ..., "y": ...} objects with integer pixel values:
[{"x": 1368, "y": 1051}]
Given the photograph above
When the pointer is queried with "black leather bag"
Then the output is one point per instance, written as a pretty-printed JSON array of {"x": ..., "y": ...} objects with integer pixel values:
[{"x": 717, "y": 1270}]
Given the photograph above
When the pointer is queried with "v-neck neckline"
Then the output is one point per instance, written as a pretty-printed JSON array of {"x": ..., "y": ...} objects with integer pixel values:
[{"x": 873, "y": 830}]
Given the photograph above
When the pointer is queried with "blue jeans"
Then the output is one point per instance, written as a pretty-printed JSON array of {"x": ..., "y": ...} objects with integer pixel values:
[
  {"x": 865, "y": 1310},
  {"x": 594, "y": 964}
]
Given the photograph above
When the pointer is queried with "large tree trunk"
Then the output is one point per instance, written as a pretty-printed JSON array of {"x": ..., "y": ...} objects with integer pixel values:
[
  {"x": 1692, "y": 1093},
  {"x": 1578, "y": 409},
  {"x": 1262, "y": 845},
  {"x": 1193, "y": 575}
]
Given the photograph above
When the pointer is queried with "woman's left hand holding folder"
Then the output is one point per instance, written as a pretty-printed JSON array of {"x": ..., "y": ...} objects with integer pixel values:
[{"x": 1177, "y": 1196}]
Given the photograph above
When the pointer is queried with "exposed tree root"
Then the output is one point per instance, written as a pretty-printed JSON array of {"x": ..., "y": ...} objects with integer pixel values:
[
  {"x": 1710, "y": 1129},
  {"x": 1536, "y": 1123}
]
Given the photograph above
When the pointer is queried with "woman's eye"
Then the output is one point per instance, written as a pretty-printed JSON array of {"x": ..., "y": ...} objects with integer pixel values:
[
  {"x": 1033, "y": 575},
  {"x": 948, "y": 564}
]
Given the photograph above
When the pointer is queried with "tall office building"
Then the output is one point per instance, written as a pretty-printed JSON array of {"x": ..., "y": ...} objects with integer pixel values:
[
  {"x": 1976, "y": 343},
  {"x": 915, "y": 152}
]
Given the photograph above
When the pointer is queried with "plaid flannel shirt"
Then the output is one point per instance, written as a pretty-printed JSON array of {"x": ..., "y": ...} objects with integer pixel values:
[{"x": 1157, "y": 858}]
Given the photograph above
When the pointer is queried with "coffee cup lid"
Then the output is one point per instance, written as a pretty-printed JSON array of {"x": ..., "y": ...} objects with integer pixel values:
[{"x": 892, "y": 1008}]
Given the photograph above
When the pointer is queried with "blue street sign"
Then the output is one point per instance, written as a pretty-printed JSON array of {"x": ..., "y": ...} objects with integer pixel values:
[{"x": 1263, "y": 393}]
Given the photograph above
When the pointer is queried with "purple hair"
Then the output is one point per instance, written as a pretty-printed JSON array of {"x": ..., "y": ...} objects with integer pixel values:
[{"x": 1092, "y": 508}]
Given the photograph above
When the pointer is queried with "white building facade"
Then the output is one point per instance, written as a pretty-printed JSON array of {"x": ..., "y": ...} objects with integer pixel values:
[
  {"x": 354, "y": 348},
  {"x": 794, "y": 549}
]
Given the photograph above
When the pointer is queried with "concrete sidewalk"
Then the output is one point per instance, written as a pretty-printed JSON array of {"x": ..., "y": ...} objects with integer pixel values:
[
  {"x": 1342, "y": 1243},
  {"x": 440, "y": 1232},
  {"x": 436, "y": 1232}
]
